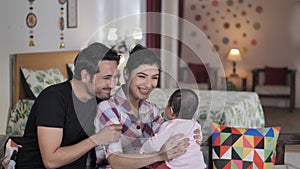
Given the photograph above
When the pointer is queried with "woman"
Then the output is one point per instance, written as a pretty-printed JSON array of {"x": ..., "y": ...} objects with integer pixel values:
[{"x": 140, "y": 118}]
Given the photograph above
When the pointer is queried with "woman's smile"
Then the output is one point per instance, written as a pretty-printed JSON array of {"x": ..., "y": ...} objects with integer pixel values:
[{"x": 144, "y": 91}]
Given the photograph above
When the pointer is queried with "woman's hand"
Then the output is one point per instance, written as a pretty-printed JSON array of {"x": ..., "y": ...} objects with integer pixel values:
[
  {"x": 197, "y": 136},
  {"x": 174, "y": 147}
]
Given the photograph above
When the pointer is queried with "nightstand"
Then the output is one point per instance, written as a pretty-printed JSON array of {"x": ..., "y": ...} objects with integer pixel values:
[{"x": 236, "y": 82}]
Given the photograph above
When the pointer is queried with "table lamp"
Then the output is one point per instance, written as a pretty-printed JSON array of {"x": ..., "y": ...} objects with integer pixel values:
[{"x": 234, "y": 55}]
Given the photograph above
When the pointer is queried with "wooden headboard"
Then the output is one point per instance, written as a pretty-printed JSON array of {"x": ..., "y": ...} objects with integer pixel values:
[{"x": 37, "y": 61}]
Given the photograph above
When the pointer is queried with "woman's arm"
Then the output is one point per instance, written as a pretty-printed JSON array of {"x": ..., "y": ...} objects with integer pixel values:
[
  {"x": 174, "y": 147},
  {"x": 54, "y": 156},
  {"x": 154, "y": 143}
]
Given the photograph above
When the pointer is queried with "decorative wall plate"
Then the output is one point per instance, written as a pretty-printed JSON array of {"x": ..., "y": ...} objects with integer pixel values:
[
  {"x": 62, "y": 1},
  {"x": 31, "y": 20}
]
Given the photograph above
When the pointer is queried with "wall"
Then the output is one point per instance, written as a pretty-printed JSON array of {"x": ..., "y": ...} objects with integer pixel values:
[
  {"x": 92, "y": 16},
  {"x": 4, "y": 68},
  {"x": 267, "y": 32}
]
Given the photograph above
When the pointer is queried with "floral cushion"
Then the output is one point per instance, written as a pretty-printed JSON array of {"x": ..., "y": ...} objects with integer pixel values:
[
  {"x": 38, "y": 80},
  {"x": 18, "y": 117},
  {"x": 247, "y": 148}
]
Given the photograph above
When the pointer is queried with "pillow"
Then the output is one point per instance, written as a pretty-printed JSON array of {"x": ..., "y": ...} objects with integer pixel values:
[
  {"x": 244, "y": 147},
  {"x": 198, "y": 72},
  {"x": 3, "y": 140},
  {"x": 275, "y": 76},
  {"x": 18, "y": 117},
  {"x": 70, "y": 70},
  {"x": 11, "y": 152},
  {"x": 34, "y": 81}
]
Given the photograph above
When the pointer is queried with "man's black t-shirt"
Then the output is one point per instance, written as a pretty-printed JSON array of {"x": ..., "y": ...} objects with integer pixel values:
[{"x": 54, "y": 107}]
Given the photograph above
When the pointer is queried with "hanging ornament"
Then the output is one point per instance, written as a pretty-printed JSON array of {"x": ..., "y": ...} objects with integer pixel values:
[
  {"x": 31, "y": 21},
  {"x": 62, "y": 23}
]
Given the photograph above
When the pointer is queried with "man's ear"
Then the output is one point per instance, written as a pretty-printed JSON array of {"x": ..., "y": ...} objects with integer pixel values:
[{"x": 85, "y": 76}]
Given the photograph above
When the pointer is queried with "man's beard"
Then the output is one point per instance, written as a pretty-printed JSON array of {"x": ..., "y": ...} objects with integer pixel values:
[
  {"x": 103, "y": 95},
  {"x": 101, "y": 99}
]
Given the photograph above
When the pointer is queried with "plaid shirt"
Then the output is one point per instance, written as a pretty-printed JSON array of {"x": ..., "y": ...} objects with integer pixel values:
[{"x": 136, "y": 129}]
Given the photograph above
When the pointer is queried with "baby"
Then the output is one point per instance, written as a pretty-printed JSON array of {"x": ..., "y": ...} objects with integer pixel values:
[{"x": 180, "y": 110}]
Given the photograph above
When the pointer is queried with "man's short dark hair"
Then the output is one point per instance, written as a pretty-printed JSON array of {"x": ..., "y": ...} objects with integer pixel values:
[{"x": 89, "y": 58}]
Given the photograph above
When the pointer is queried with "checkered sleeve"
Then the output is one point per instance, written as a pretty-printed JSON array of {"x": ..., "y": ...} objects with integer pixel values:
[
  {"x": 157, "y": 119},
  {"x": 107, "y": 114}
]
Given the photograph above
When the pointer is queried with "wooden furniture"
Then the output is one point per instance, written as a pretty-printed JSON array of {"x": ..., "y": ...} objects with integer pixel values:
[
  {"x": 291, "y": 84},
  {"x": 187, "y": 80},
  {"x": 236, "y": 80},
  {"x": 37, "y": 61},
  {"x": 283, "y": 140}
]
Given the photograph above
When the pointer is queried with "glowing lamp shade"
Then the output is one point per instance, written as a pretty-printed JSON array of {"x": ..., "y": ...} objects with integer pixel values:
[{"x": 234, "y": 55}]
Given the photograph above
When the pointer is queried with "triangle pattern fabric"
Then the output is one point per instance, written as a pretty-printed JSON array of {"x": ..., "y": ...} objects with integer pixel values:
[
  {"x": 225, "y": 152},
  {"x": 259, "y": 142},
  {"x": 249, "y": 156},
  {"x": 248, "y": 141},
  {"x": 239, "y": 142}
]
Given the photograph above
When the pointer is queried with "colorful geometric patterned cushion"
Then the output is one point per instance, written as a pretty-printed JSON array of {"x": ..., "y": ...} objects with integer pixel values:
[{"x": 244, "y": 148}]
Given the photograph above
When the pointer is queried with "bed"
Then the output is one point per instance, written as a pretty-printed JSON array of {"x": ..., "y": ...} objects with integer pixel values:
[{"x": 33, "y": 63}]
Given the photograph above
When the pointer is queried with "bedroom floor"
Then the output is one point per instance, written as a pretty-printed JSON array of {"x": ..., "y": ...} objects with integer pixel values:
[{"x": 289, "y": 122}]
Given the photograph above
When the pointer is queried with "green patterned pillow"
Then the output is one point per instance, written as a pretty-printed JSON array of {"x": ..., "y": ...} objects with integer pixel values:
[
  {"x": 18, "y": 117},
  {"x": 38, "y": 80},
  {"x": 249, "y": 148}
]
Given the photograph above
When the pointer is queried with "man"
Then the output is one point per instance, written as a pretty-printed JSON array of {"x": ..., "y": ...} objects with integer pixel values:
[{"x": 59, "y": 131}]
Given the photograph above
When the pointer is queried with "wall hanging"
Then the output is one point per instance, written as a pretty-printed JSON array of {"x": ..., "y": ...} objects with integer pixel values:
[
  {"x": 62, "y": 23},
  {"x": 31, "y": 21},
  {"x": 72, "y": 14}
]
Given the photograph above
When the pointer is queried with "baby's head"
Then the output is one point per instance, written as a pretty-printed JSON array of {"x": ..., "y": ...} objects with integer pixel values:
[{"x": 182, "y": 104}]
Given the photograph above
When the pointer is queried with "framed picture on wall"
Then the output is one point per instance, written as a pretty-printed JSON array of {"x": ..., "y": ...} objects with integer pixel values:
[{"x": 72, "y": 14}]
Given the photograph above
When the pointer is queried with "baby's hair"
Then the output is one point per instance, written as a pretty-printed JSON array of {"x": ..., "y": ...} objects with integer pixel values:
[{"x": 184, "y": 103}]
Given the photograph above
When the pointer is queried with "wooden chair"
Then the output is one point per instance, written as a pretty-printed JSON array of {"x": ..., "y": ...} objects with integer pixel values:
[
  {"x": 290, "y": 87},
  {"x": 283, "y": 140}
]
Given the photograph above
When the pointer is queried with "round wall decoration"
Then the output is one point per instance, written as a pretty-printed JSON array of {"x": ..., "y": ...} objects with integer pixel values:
[
  {"x": 31, "y": 20},
  {"x": 62, "y": 1}
]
